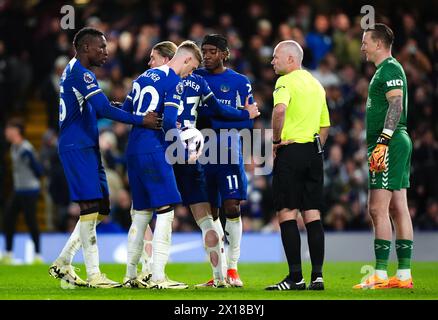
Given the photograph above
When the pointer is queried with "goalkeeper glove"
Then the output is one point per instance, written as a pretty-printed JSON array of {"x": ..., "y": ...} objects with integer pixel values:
[{"x": 379, "y": 155}]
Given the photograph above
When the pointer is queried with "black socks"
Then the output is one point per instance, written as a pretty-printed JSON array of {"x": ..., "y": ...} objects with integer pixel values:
[
  {"x": 315, "y": 240},
  {"x": 290, "y": 236}
]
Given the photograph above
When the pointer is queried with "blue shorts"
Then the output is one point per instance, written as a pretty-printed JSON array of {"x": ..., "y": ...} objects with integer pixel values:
[
  {"x": 85, "y": 174},
  {"x": 191, "y": 183},
  {"x": 225, "y": 181},
  {"x": 152, "y": 181}
]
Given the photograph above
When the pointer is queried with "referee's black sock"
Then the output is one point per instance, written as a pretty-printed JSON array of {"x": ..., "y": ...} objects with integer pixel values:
[
  {"x": 315, "y": 239},
  {"x": 290, "y": 236}
]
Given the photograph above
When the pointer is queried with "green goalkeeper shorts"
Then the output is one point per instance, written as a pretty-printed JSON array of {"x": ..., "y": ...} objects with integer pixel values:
[{"x": 396, "y": 175}]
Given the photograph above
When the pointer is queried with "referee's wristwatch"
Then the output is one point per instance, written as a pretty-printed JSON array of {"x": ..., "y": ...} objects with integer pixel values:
[{"x": 276, "y": 141}]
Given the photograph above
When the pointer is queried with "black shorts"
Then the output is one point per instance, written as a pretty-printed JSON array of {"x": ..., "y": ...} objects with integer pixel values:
[{"x": 298, "y": 177}]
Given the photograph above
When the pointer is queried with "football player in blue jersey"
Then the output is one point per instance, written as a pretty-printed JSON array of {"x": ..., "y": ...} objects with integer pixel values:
[
  {"x": 226, "y": 182},
  {"x": 198, "y": 100},
  {"x": 151, "y": 176},
  {"x": 190, "y": 177},
  {"x": 81, "y": 103},
  {"x": 161, "y": 54}
]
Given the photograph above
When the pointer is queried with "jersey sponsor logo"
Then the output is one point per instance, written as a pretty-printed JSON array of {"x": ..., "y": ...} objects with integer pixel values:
[
  {"x": 91, "y": 86},
  {"x": 180, "y": 88},
  {"x": 225, "y": 101},
  {"x": 278, "y": 88},
  {"x": 225, "y": 88},
  {"x": 394, "y": 83},
  {"x": 88, "y": 78}
]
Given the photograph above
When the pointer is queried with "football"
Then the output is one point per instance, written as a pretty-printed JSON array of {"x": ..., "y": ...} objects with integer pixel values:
[{"x": 193, "y": 141}]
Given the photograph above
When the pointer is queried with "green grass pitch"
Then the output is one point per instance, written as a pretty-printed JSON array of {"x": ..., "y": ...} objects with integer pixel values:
[{"x": 33, "y": 282}]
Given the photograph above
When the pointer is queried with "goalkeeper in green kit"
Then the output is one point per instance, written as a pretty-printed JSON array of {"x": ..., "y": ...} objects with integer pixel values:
[{"x": 389, "y": 152}]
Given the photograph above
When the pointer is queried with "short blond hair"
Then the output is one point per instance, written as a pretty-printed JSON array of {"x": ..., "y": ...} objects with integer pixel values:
[
  {"x": 192, "y": 47},
  {"x": 166, "y": 49}
]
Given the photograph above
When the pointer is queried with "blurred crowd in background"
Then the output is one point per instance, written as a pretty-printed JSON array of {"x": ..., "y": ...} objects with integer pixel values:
[{"x": 34, "y": 50}]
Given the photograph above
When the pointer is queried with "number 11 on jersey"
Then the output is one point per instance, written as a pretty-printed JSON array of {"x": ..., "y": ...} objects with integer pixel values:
[{"x": 230, "y": 182}]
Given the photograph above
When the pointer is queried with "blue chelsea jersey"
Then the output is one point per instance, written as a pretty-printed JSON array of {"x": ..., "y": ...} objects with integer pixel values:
[
  {"x": 77, "y": 118},
  {"x": 231, "y": 89},
  {"x": 154, "y": 90},
  {"x": 196, "y": 90}
]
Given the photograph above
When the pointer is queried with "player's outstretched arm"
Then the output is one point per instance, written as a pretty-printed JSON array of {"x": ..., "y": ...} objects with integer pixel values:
[
  {"x": 217, "y": 123},
  {"x": 250, "y": 111},
  {"x": 103, "y": 107}
]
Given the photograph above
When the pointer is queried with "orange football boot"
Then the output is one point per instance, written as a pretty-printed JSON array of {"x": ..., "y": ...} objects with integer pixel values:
[
  {"x": 395, "y": 282},
  {"x": 373, "y": 282},
  {"x": 233, "y": 278}
]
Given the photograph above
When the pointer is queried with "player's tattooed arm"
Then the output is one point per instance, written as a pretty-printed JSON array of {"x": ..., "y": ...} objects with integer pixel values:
[{"x": 393, "y": 115}]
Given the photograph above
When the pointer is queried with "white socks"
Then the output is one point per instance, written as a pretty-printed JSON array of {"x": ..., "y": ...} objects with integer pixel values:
[
  {"x": 71, "y": 247},
  {"x": 233, "y": 227},
  {"x": 220, "y": 231},
  {"x": 87, "y": 231},
  {"x": 212, "y": 248},
  {"x": 73, "y": 244},
  {"x": 146, "y": 259},
  {"x": 161, "y": 244},
  {"x": 140, "y": 221},
  {"x": 146, "y": 255},
  {"x": 403, "y": 274},
  {"x": 382, "y": 274}
]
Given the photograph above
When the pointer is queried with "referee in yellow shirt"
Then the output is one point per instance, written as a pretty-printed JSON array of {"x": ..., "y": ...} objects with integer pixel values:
[{"x": 300, "y": 122}]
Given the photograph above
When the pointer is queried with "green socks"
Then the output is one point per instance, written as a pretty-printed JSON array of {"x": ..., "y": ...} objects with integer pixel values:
[
  {"x": 404, "y": 253},
  {"x": 382, "y": 248}
]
